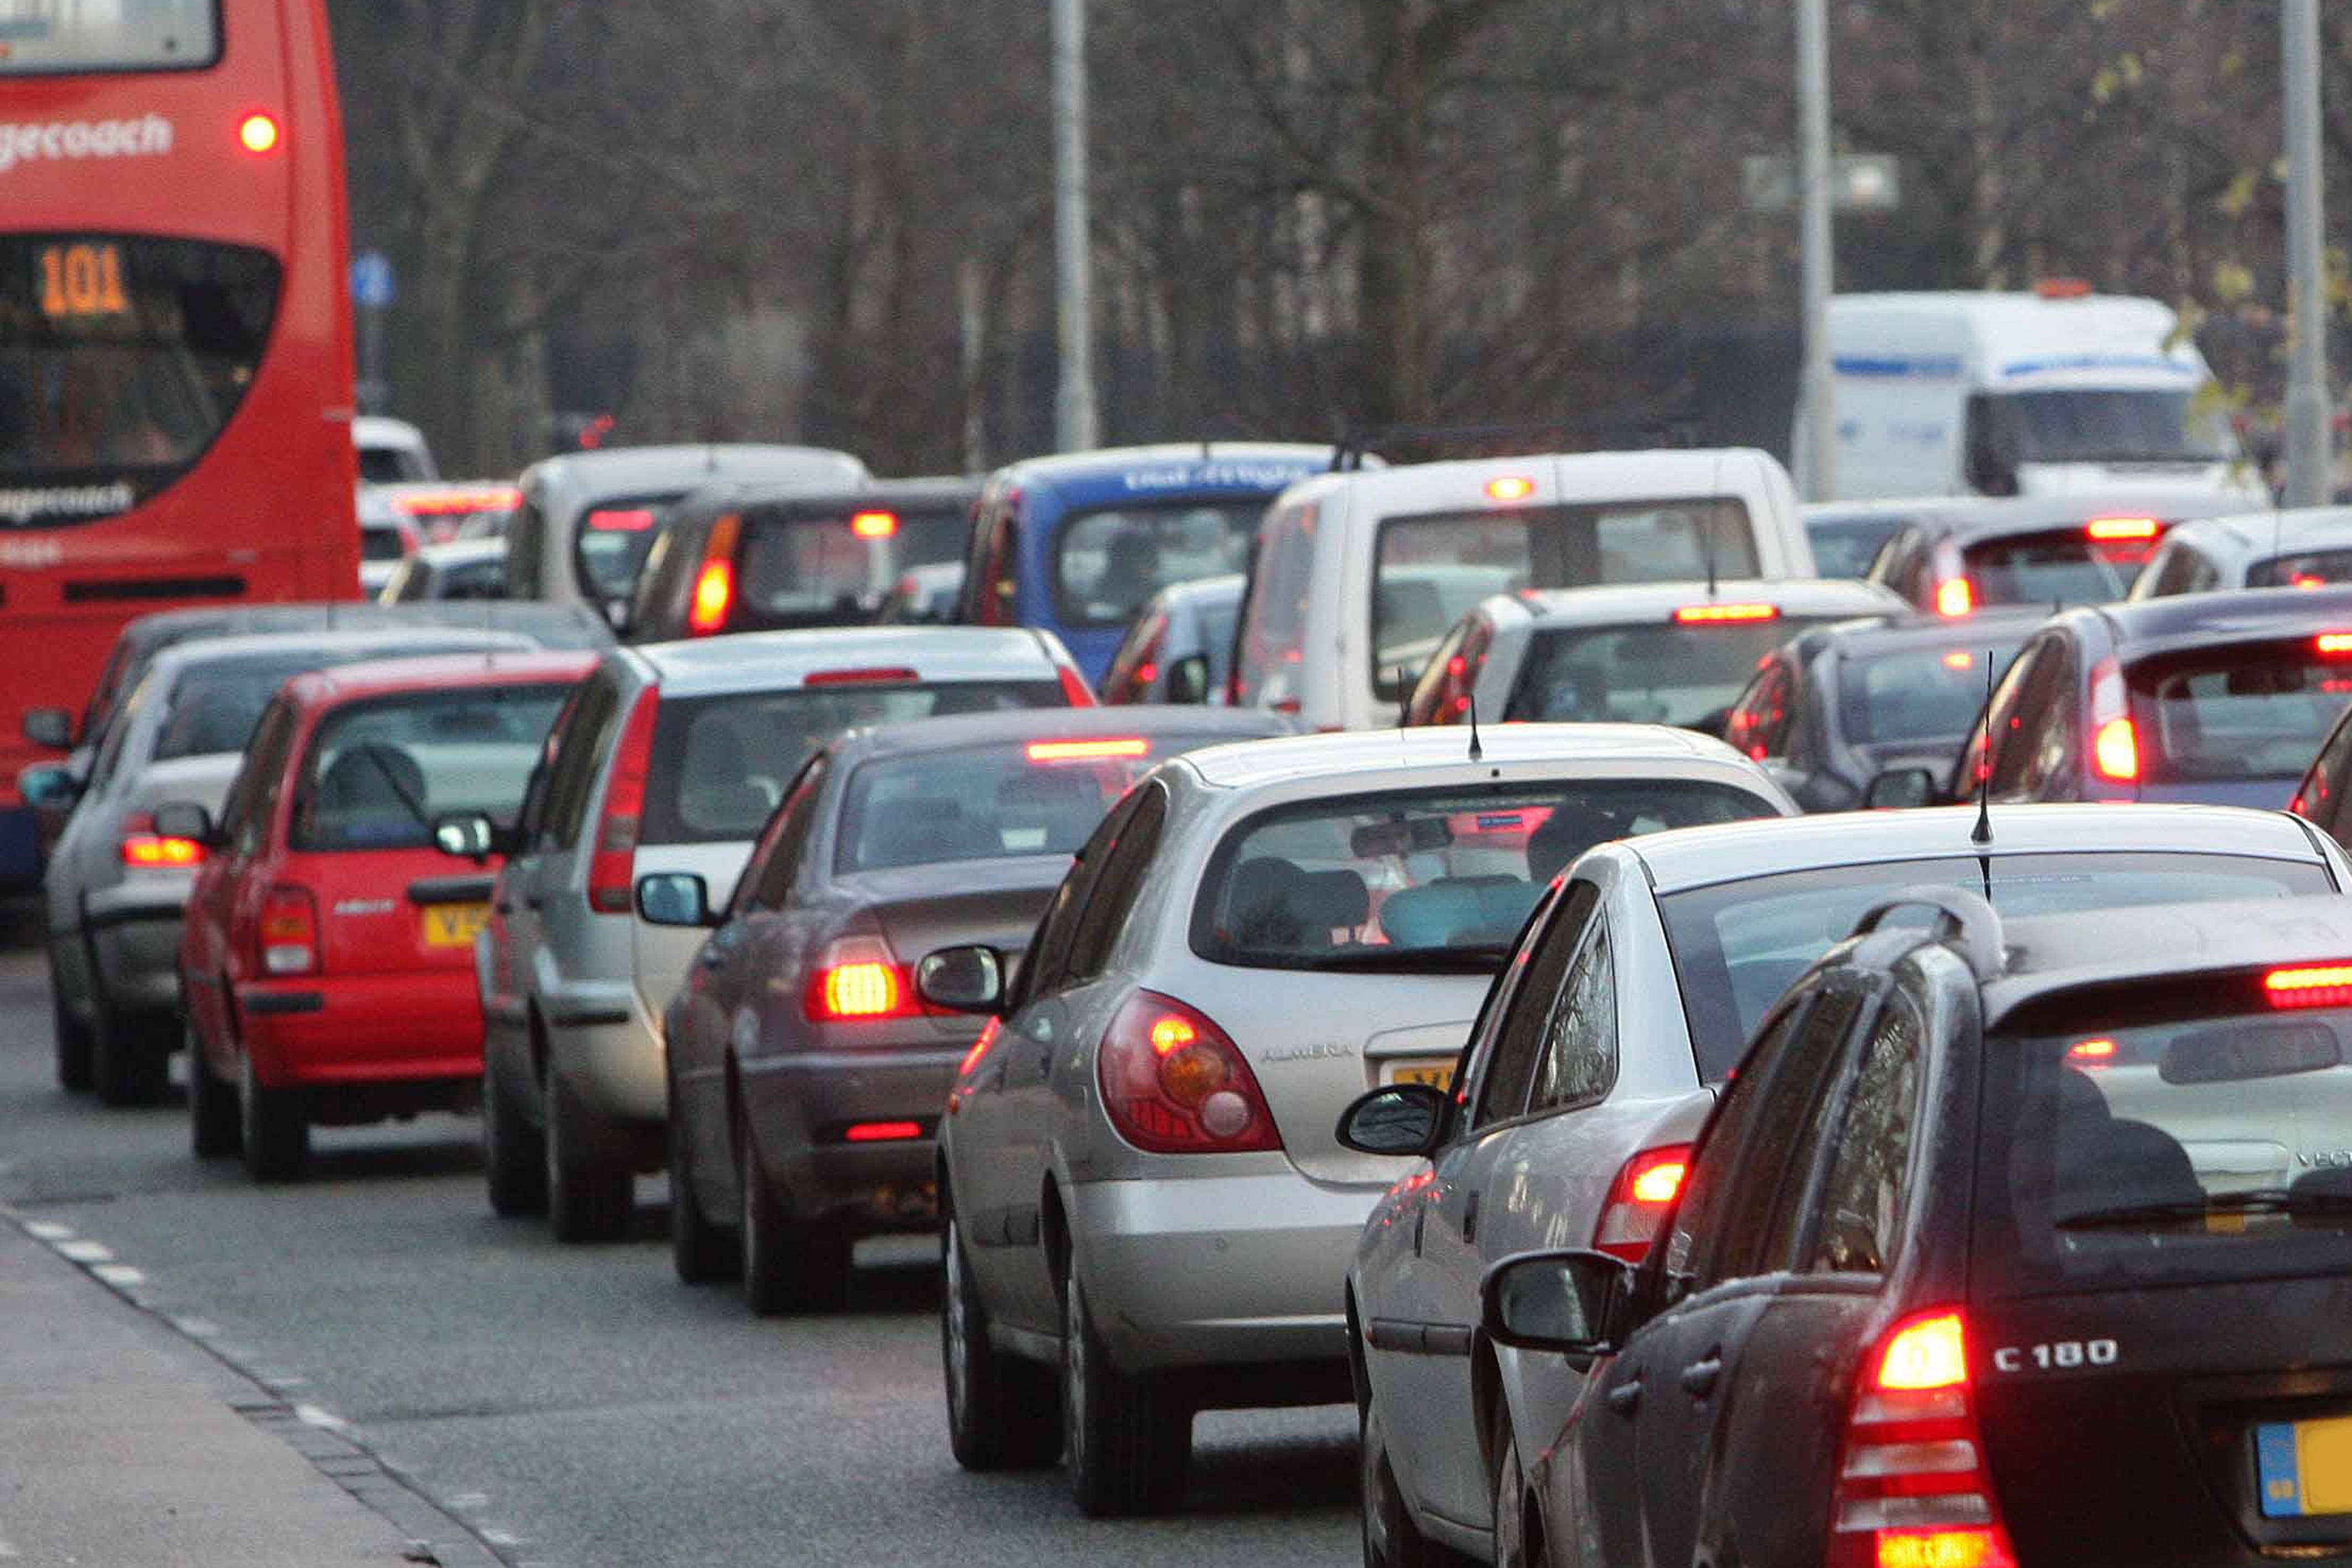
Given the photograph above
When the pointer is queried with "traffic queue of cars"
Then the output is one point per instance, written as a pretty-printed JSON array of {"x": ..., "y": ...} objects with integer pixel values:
[{"x": 1667, "y": 1175}]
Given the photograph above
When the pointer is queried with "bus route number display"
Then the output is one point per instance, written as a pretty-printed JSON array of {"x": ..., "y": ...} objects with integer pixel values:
[{"x": 80, "y": 281}]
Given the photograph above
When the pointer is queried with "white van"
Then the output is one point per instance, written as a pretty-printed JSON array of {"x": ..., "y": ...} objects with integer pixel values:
[
  {"x": 1356, "y": 576},
  {"x": 2050, "y": 392}
]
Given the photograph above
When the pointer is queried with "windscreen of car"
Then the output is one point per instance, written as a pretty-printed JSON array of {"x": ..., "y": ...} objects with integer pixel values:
[
  {"x": 1656, "y": 672},
  {"x": 2236, "y": 712},
  {"x": 1039, "y": 796},
  {"x": 380, "y": 543},
  {"x": 389, "y": 465},
  {"x": 122, "y": 360},
  {"x": 2107, "y": 426},
  {"x": 2207, "y": 1137},
  {"x": 614, "y": 537},
  {"x": 721, "y": 763},
  {"x": 378, "y": 771},
  {"x": 215, "y": 705},
  {"x": 1434, "y": 881},
  {"x": 1844, "y": 547},
  {"x": 153, "y": 36},
  {"x": 1109, "y": 563},
  {"x": 1738, "y": 945},
  {"x": 2061, "y": 567},
  {"x": 1430, "y": 571},
  {"x": 2308, "y": 569},
  {"x": 807, "y": 572},
  {"x": 1920, "y": 696}
]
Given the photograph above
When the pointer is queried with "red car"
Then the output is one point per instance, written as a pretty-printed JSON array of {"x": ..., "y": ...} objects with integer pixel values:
[{"x": 327, "y": 955}]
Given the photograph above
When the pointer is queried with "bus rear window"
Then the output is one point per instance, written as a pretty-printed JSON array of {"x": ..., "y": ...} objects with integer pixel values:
[
  {"x": 127, "y": 35},
  {"x": 1107, "y": 564},
  {"x": 122, "y": 361}
]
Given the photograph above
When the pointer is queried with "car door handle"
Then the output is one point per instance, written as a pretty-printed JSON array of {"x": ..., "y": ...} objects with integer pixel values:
[
  {"x": 1470, "y": 1216},
  {"x": 1699, "y": 1377},
  {"x": 1625, "y": 1398}
]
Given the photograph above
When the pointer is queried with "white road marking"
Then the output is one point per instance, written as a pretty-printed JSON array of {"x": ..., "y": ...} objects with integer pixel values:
[
  {"x": 500, "y": 1537},
  {"x": 123, "y": 1276},
  {"x": 313, "y": 1416},
  {"x": 86, "y": 1252},
  {"x": 196, "y": 1328},
  {"x": 47, "y": 1230},
  {"x": 470, "y": 1500}
]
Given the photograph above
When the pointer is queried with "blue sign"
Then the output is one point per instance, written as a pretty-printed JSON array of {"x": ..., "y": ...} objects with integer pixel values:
[{"x": 371, "y": 280}]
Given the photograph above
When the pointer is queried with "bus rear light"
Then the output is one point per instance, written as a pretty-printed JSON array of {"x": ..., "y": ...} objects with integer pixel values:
[
  {"x": 612, "y": 869},
  {"x": 1175, "y": 1084},
  {"x": 289, "y": 931},
  {"x": 1955, "y": 598},
  {"x": 1913, "y": 1491},
  {"x": 874, "y": 525},
  {"x": 1509, "y": 488},
  {"x": 2105, "y": 528},
  {"x": 2313, "y": 986},
  {"x": 1720, "y": 614},
  {"x": 258, "y": 133},
  {"x": 894, "y": 675},
  {"x": 1639, "y": 1201},
  {"x": 1085, "y": 750}
]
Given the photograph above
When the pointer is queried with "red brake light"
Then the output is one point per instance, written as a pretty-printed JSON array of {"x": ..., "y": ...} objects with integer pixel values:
[
  {"x": 860, "y": 980},
  {"x": 2125, "y": 527},
  {"x": 457, "y": 503},
  {"x": 2313, "y": 986},
  {"x": 859, "y": 677},
  {"x": 1075, "y": 690},
  {"x": 1715, "y": 614},
  {"x": 627, "y": 520},
  {"x": 988, "y": 1032},
  {"x": 1510, "y": 487},
  {"x": 144, "y": 849},
  {"x": 1959, "y": 659},
  {"x": 2115, "y": 751},
  {"x": 2093, "y": 1053},
  {"x": 1955, "y": 598},
  {"x": 1925, "y": 1353},
  {"x": 1085, "y": 750},
  {"x": 258, "y": 133},
  {"x": 1639, "y": 1201},
  {"x": 874, "y": 525},
  {"x": 289, "y": 931},
  {"x": 612, "y": 867},
  {"x": 1913, "y": 1491},
  {"x": 2062, "y": 288},
  {"x": 714, "y": 585},
  {"x": 1175, "y": 1084},
  {"x": 2336, "y": 644},
  {"x": 882, "y": 1131}
]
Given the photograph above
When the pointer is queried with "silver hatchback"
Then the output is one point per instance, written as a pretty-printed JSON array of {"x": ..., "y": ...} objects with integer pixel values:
[{"x": 1142, "y": 1185}]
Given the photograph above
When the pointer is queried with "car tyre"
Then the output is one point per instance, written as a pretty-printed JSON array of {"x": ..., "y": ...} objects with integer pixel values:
[
  {"x": 701, "y": 1252},
  {"x": 1129, "y": 1442},
  {"x": 1003, "y": 1412},
  {"x": 1392, "y": 1540},
  {"x": 130, "y": 1056},
  {"x": 72, "y": 1037},
  {"x": 215, "y": 1117},
  {"x": 787, "y": 1267},
  {"x": 589, "y": 1192},
  {"x": 272, "y": 1126},
  {"x": 514, "y": 1152}
]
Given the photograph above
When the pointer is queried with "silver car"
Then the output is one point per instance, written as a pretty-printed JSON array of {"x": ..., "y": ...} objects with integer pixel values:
[
  {"x": 1634, "y": 993},
  {"x": 115, "y": 889},
  {"x": 1139, "y": 1171},
  {"x": 670, "y": 759}
]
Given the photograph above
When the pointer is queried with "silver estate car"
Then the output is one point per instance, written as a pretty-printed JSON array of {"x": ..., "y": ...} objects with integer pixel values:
[
  {"x": 115, "y": 889},
  {"x": 1141, "y": 1183},
  {"x": 671, "y": 759},
  {"x": 1632, "y": 997},
  {"x": 806, "y": 1079}
]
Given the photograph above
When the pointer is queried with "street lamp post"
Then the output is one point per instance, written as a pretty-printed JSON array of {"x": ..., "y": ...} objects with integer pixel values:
[
  {"x": 1074, "y": 398},
  {"x": 2309, "y": 426},
  {"x": 1817, "y": 255}
]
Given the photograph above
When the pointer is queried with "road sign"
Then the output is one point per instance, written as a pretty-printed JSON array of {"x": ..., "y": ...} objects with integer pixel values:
[
  {"x": 1859, "y": 182},
  {"x": 371, "y": 287}
]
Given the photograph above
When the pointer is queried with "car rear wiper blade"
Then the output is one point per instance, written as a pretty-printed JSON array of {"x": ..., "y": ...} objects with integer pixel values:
[
  {"x": 1476, "y": 959},
  {"x": 2261, "y": 1200}
]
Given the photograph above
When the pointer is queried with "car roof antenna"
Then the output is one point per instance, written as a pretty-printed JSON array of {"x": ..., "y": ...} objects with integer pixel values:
[
  {"x": 1982, "y": 832},
  {"x": 1477, "y": 752}
]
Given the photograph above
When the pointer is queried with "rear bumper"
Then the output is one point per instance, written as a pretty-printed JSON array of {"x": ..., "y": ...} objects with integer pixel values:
[
  {"x": 609, "y": 1051},
  {"x": 802, "y": 1107},
  {"x": 362, "y": 1029},
  {"x": 1204, "y": 1271},
  {"x": 134, "y": 938},
  {"x": 20, "y": 846}
]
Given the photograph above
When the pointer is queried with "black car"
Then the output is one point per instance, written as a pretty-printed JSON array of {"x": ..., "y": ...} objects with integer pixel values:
[
  {"x": 2007, "y": 1245},
  {"x": 737, "y": 557},
  {"x": 2049, "y": 550},
  {"x": 1829, "y": 711},
  {"x": 805, "y": 1077}
]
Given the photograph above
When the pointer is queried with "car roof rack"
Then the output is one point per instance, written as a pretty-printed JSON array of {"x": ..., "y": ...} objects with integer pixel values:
[{"x": 1965, "y": 918}]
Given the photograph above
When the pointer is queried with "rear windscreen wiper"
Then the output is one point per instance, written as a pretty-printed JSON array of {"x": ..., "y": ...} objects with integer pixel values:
[{"x": 2262, "y": 1201}]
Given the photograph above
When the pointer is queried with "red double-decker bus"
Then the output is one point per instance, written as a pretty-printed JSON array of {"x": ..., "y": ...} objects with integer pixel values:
[{"x": 176, "y": 336}]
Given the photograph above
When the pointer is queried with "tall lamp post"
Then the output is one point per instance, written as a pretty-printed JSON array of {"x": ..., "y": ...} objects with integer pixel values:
[
  {"x": 1075, "y": 420},
  {"x": 2309, "y": 427},
  {"x": 1817, "y": 255}
]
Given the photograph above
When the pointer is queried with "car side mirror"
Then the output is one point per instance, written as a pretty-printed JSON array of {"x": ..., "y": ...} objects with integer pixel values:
[
  {"x": 1901, "y": 789},
  {"x": 1402, "y": 1119},
  {"x": 49, "y": 787},
  {"x": 51, "y": 728},
  {"x": 1188, "y": 680},
  {"x": 963, "y": 980},
  {"x": 466, "y": 835},
  {"x": 617, "y": 615},
  {"x": 185, "y": 819},
  {"x": 1573, "y": 1302},
  {"x": 674, "y": 898}
]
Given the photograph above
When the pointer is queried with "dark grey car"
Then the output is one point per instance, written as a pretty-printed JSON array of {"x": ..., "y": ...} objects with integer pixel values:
[{"x": 806, "y": 1081}]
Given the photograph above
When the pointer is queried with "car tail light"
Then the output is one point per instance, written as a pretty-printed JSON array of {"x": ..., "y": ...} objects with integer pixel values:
[
  {"x": 2313, "y": 986},
  {"x": 2105, "y": 528},
  {"x": 1510, "y": 488},
  {"x": 2335, "y": 645},
  {"x": 462, "y": 503},
  {"x": 612, "y": 867},
  {"x": 1722, "y": 614},
  {"x": 892, "y": 675},
  {"x": 859, "y": 980},
  {"x": 144, "y": 849},
  {"x": 1086, "y": 750},
  {"x": 2091, "y": 1053},
  {"x": 1075, "y": 690},
  {"x": 1639, "y": 1201},
  {"x": 988, "y": 1033},
  {"x": 1913, "y": 1491},
  {"x": 881, "y": 1132},
  {"x": 714, "y": 584},
  {"x": 1955, "y": 598},
  {"x": 2115, "y": 739},
  {"x": 620, "y": 520},
  {"x": 874, "y": 525},
  {"x": 1175, "y": 1084},
  {"x": 1143, "y": 670},
  {"x": 1959, "y": 659},
  {"x": 289, "y": 931}
]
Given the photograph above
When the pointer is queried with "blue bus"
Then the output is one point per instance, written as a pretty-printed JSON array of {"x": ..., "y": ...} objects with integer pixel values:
[{"x": 1077, "y": 544}]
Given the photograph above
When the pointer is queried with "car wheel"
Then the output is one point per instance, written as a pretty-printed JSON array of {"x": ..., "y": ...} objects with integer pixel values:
[
  {"x": 787, "y": 1267},
  {"x": 215, "y": 1117},
  {"x": 72, "y": 1037},
  {"x": 589, "y": 1192},
  {"x": 1509, "y": 1499},
  {"x": 1392, "y": 1540},
  {"x": 701, "y": 1252},
  {"x": 514, "y": 1152},
  {"x": 1002, "y": 1411},
  {"x": 272, "y": 1126},
  {"x": 1128, "y": 1442},
  {"x": 130, "y": 1055}
]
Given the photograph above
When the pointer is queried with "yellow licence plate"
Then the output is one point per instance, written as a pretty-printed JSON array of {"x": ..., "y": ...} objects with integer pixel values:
[
  {"x": 2306, "y": 1467},
  {"x": 454, "y": 925},
  {"x": 1437, "y": 1074}
]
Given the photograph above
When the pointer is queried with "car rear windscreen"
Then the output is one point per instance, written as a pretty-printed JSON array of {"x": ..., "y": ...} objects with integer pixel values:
[
  {"x": 2062, "y": 566},
  {"x": 2311, "y": 569},
  {"x": 215, "y": 705},
  {"x": 808, "y": 571},
  {"x": 2243, "y": 712},
  {"x": 721, "y": 763},
  {"x": 1037, "y": 797},
  {"x": 1430, "y": 571},
  {"x": 1738, "y": 945},
  {"x": 2145, "y": 1141},
  {"x": 1920, "y": 696},
  {"x": 379, "y": 771},
  {"x": 614, "y": 536},
  {"x": 382, "y": 543},
  {"x": 1844, "y": 547},
  {"x": 1433, "y": 881},
  {"x": 1659, "y": 672}
]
